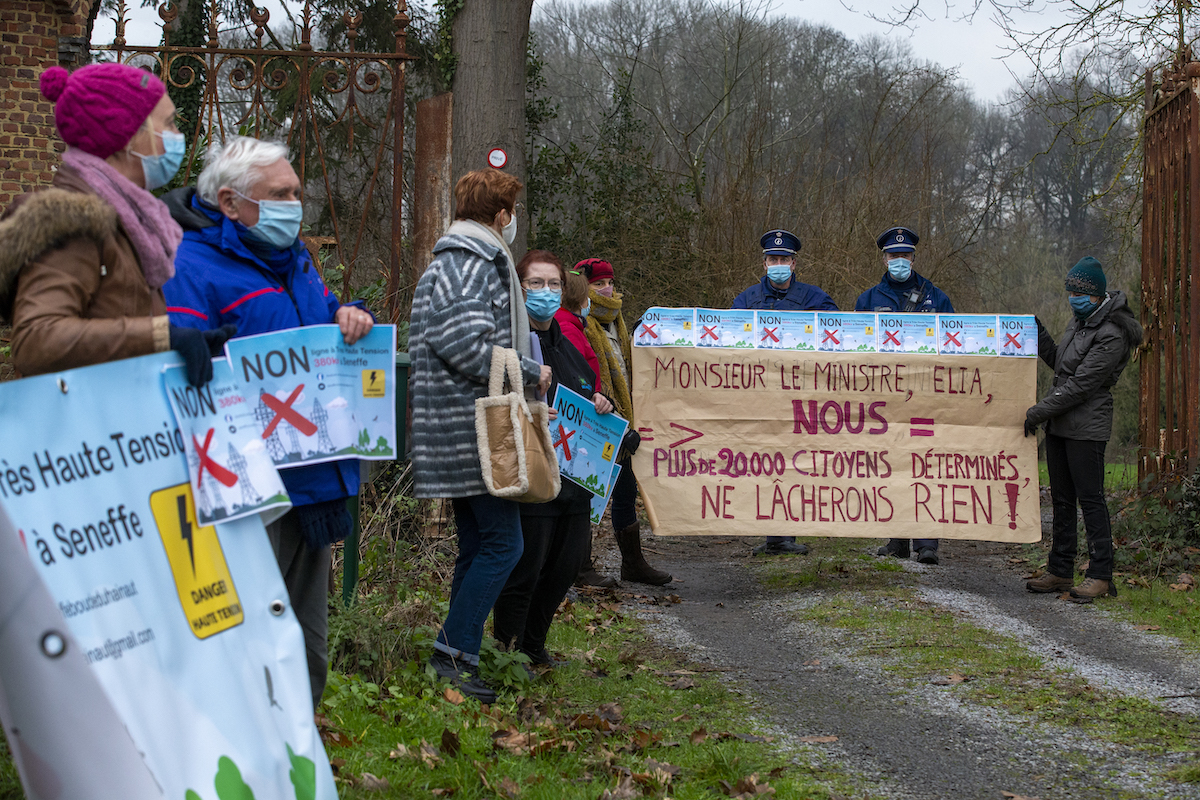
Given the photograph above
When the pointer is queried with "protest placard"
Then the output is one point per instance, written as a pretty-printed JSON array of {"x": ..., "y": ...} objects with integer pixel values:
[
  {"x": 187, "y": 627},
  {"x": 776, "y": 442},
  {"x": 585, "y": 442},
  {"x": 231, "y": 474},
  {"x": 316, "y": 398}
]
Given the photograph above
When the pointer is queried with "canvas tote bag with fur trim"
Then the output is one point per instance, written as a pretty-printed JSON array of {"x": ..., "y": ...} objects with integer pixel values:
[{"x": 515, "y": 451}]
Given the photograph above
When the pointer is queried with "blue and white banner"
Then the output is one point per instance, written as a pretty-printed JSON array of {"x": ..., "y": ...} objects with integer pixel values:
[
  {"x": 586, "y": 443},
  {"x": 315, "y": 398},
  {"x": 187, "y": 627},
  {"x": 231, "y": 474}
]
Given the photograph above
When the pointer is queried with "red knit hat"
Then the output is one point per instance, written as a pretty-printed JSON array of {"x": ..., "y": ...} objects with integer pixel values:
[
  {"x": 597, "y": 269},
  {"x": 98, "y": 108}
]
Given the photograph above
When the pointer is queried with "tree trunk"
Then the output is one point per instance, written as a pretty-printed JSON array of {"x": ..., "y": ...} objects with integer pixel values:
[{"x": 490, "y": 40}]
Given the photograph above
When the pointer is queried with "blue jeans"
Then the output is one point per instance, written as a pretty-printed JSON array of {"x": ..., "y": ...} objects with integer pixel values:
[{"x": 489, "y": 546}]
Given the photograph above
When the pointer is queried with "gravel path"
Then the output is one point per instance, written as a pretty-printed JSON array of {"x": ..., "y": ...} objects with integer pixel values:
[{"x": 919, "y": 740}]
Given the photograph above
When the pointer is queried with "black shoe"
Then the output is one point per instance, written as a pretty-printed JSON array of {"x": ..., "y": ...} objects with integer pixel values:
[
  {"x": 927, "y": 556},
  {"x": 542, "y": 658},
  {"x": 781, "y": 549},
  {"x": 461, "y": 676},
  {"x": 897, "y": 548}
]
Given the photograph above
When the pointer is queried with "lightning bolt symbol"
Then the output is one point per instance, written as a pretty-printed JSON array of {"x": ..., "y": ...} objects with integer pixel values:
[
  {"x": 185, "y": 530},
  {"x": 373, "y": 373}
]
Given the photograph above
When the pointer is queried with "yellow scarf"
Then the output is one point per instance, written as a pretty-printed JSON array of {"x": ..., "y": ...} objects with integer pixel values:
[{"x": 606, "y": 310}]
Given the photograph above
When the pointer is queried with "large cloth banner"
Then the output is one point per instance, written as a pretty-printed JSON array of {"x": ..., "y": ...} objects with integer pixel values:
[
  {"x": 314, "y": 398},
  {"x": 186, "y": 627},
  {"x": 782, "y": 442}
]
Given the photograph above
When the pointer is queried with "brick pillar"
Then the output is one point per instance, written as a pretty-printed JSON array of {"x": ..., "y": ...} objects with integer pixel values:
[{"x": 34, "y": 35}]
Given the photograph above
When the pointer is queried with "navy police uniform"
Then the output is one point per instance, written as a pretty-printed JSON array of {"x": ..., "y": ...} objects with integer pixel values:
[
  {"x": 915, "y": 295},
  {"x": 796, "y": 296}
]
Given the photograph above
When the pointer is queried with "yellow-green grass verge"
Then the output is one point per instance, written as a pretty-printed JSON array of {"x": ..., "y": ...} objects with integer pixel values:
[{"x": 552, "y": 739}]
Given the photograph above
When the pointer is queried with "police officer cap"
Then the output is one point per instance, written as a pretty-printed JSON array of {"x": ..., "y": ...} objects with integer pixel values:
[
  {"x": 779, "y": 243},
  {"x": 898, "y": 240}
]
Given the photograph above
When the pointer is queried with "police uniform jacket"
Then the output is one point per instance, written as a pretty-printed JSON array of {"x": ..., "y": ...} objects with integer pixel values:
[
  {"x": 798, "y": 297},
  {"x": 888, "y": 295}
]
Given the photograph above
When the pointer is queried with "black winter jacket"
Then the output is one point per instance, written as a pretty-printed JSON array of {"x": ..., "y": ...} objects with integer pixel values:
[
  {"x": 570, "y": 369},
  {"x": 1087, "y": 363}
]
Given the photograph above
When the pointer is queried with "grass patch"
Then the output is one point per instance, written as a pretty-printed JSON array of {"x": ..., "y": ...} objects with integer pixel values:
[
  {"x": 608, "y": 717},
  {"x": 1117, "y": 477},
  {"x": 926, "y": 643},
  {"x": 1154, "y": 603},
  {"x": 832, "y": 564},
  {"x": 1187, "y": 773}
]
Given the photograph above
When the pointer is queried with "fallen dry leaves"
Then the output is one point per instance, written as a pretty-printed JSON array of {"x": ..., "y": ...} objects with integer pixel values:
[
  {"x": 1184, "y": 583},
  {"x": 370, "y": 783},
  {"x": 622, "y": 791},
  {"x": 818, "y": 739},
  {"x": 747, "y": 788},
  {"x": 952, "y": 679}
]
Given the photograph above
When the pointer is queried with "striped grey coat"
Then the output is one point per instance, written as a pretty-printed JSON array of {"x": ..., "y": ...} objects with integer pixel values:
[{"x": 461, "y": 309}]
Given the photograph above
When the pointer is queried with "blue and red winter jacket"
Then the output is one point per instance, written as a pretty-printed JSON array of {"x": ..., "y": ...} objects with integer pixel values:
[{"x": 219, "y": 280}]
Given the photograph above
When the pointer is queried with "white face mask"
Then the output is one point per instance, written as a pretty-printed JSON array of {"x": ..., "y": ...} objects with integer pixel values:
[{"x": 510, "y": 230}]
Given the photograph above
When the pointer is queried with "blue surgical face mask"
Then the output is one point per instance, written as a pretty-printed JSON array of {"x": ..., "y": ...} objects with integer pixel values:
[
  {"x": 160, "y": 169},
  {"x": 1082, "y": 305},
  {"x": 542, "y": 303},
  {"x": 779, "y": 273},
  {"x": 583, "y": 312},
  {"x": 900, "y": 269},
  {"x": 278, "y": 221}
]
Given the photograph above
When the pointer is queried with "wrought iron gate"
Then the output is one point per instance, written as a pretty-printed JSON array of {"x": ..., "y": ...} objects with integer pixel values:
[
  {"x": 341, "y": 113},
  {"x": 1169, "y": 428}
]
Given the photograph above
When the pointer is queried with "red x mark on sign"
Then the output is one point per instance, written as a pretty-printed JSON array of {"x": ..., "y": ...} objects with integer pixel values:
[
  {"x": 831, "y": 336},
  {"x": 648, "y": 328},
  {"x": 216, "y": 470},
  {"x": 891, "y": 337},
  {"x": 952, "y": 337},
  {"x": 563, "y": 435},
  {"x": 283, "y": 410},
  {"x": 1011, "y": 338},
  {"x": 771, "y": 333},
  {"x": 709, "y": 332}
]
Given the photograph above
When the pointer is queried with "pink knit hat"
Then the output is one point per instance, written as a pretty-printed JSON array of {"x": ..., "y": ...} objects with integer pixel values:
[{"x": 101, "y": 106}]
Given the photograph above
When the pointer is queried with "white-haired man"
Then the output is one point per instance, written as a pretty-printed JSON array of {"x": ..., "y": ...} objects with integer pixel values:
[{"x": 241, "y": 262}]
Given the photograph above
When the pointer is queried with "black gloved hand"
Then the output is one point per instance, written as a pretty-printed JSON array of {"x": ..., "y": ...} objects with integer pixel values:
[
  {"x": 1031, "y": 423},
  {"x": 217, "y": 338},
  {"x": 629, "y": 444},
  {"x": 192, "y": 345}
]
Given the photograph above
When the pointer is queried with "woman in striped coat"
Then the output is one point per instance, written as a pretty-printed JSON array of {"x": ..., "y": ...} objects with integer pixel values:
[{"x": 467, "y": 302}]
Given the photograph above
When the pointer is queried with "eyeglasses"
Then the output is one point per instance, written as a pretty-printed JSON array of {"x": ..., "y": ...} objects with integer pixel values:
[
  {"x": 519, "y": 208},
  {"x": 534, "y": 284}
]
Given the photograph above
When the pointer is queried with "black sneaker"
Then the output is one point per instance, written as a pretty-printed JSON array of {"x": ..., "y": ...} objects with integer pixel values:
[
  {"x": 927, "y": 556},
  {"x": 897, "y": 548},
  {"x": 461, "y": 676},
  {"x": 542, "y": 658},
  {"x": 781, "y": 549}
]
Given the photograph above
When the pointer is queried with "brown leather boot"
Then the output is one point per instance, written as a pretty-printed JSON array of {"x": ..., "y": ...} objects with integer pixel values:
[
  {"x": 589, "y": 576},
  {"x": 633, "y": 563},
  {"x": 1046, "y": 583},
  {"x": 1091, "y": 588}
]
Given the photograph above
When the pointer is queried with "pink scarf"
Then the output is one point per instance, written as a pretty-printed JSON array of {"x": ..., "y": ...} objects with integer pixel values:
[{"x": 146, "y": 219}]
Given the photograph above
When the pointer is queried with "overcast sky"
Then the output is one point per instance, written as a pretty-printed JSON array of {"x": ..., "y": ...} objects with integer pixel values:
[{"x": 938, "y": 33}]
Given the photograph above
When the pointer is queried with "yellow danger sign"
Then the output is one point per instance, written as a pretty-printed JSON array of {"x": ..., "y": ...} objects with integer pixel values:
[
  {"x": 607, "y": 452},
  {"x": 373, "y": 382},
  {"x": 202, "y": 578}
]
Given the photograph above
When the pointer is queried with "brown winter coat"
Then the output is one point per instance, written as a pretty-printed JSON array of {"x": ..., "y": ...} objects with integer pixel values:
[{"x": 71, "y": 283}]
